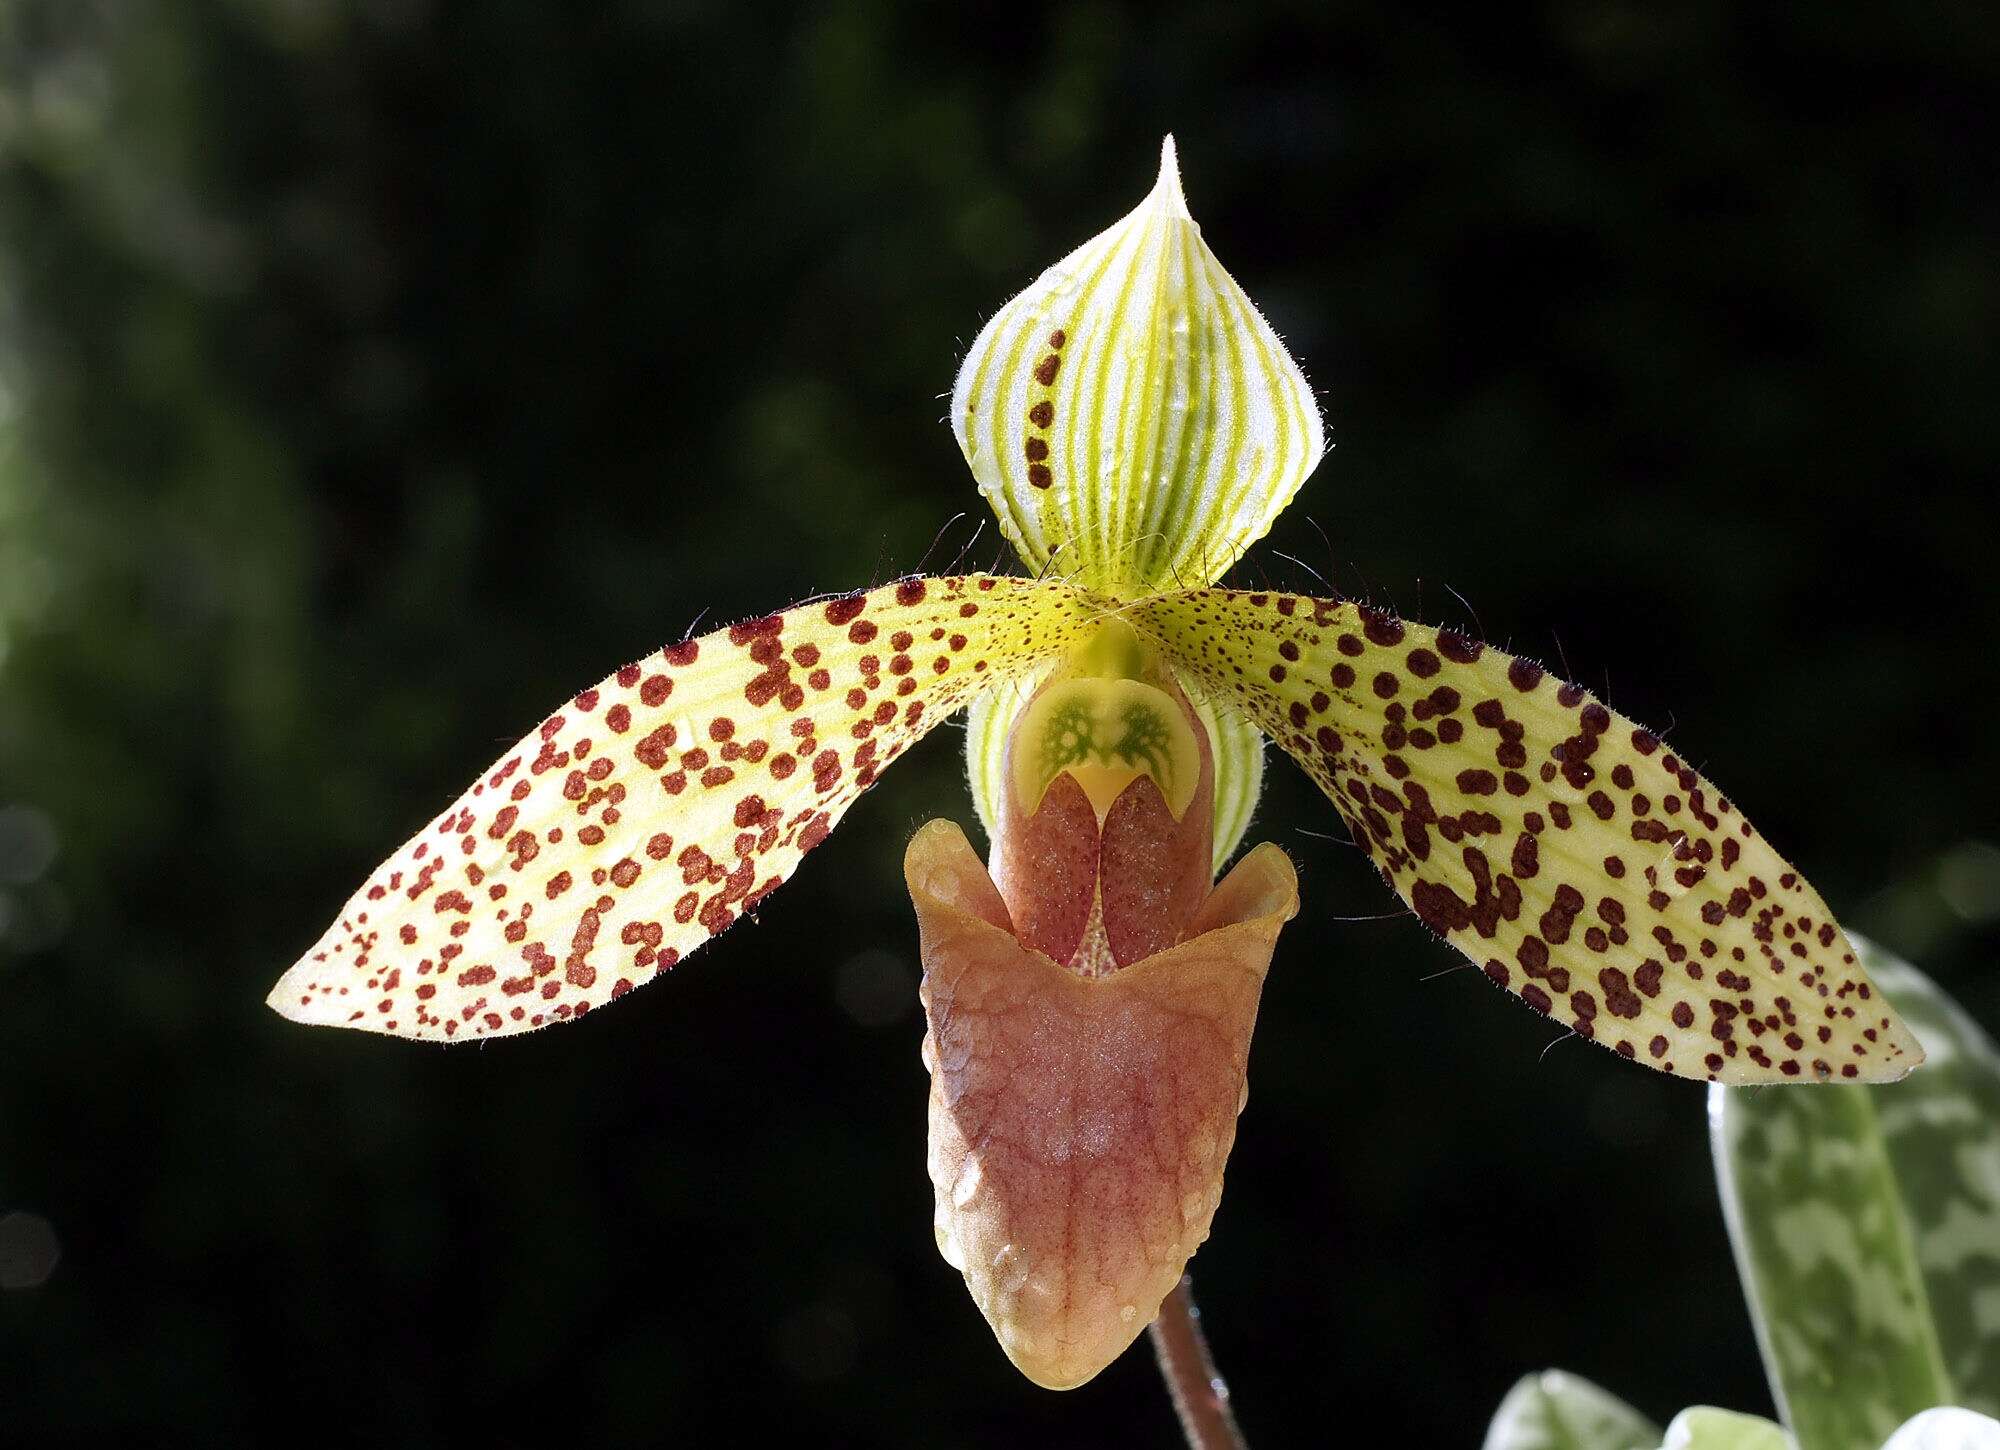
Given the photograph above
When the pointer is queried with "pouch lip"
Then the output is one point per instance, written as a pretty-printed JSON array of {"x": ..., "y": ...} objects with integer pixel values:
[{"x": 1261, "y": 917}]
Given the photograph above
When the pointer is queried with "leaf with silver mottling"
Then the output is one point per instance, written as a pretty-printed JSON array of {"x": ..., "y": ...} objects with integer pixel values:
[{"x": 1866, "y": 1221}]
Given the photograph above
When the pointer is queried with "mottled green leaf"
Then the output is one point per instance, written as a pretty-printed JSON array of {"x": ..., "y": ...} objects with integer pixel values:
[
  {"x": 1557, "y": 1411},
  {"x": 1947, "y": 1428},
  {"x": 1703, "y": 1427},
  {"x": 1866, "y": 1221},
  {"x": 1944, "y": 1139}
]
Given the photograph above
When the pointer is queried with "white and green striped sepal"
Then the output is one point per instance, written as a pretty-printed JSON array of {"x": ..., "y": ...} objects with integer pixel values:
[{"x": 1133, "y": 420}]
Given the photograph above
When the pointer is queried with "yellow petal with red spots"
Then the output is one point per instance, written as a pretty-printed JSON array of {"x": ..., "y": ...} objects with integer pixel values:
[
  {"x": 1575, "y": 858},
  {"x": 1133, "y": 420},
  {"x": 657, "y": 808}
]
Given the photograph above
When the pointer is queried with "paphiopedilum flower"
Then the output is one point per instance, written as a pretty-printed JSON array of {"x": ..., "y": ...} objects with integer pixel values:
[{"x": 1136, "y": 426}]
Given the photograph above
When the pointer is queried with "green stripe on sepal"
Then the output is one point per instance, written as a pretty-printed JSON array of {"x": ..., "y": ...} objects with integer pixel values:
[
  {"x": 986, "y": 726},
  {"x": 1557, "y": 1411},
  {"x": 1132, "y": 419},
  {"x": 1239, "y": 772},
  {"x": 1866, "y": 1221}
]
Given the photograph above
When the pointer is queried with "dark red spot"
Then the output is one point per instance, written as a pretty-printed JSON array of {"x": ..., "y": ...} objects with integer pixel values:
[
  {"x": 654, "y": 750},
  {"x": 816, "y": 830},
  {"x": 1384, "y": 629},
  {"x": 1457, "y": 647}
]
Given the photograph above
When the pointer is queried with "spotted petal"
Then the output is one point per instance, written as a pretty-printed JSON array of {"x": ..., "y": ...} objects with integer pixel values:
[
  {"x": 1579, "y": 861},
  {"x": 1131, "y": 418},
  {"x": 657, "y": 808}
]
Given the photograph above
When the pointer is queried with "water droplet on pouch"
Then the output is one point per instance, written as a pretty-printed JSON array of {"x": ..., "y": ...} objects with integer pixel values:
[
  {"x": 970, "y": 1177},
  {"x": 1010, "y": 1269}
]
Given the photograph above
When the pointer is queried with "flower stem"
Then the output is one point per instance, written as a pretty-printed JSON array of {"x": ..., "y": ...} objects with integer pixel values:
[{"x": 1201, "y": 1399}]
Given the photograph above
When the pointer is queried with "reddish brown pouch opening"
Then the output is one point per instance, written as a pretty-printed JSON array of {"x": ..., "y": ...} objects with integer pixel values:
[{"x": 1079, "y": 1126}]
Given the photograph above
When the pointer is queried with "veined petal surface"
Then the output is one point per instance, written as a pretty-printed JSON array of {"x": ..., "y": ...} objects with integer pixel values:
[
  {"x": 656, "y": 808},
  {"x": 1579, "y": 861},
  {"x": 987, "y": 722},
  {"x": 1079, "y": 1126},
  {"x": 1133, "y": 420}
]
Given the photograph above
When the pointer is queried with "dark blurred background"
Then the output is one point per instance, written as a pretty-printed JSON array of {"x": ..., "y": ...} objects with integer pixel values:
[{"x": 375, "y": 373}]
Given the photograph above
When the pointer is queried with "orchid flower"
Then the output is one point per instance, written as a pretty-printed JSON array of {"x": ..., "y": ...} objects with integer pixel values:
[{"x": 1136, "y": 425}]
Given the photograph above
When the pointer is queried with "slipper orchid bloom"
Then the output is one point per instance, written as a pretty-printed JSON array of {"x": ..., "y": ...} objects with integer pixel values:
[{"x": 1136, "y": 426}]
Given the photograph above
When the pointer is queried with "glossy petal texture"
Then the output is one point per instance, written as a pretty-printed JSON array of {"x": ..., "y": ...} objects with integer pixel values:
[
  {"x": 1236, "y": 748},
  {"x": 1581, "y": 863},
  {"x": 1130, "y": 416},
  {"x": 656, "y": 808},
  {"x": 1079, "y": 1127},
  {"x": 1557, "y": 1411},
  {"x": 1866, "y": 1223}
]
